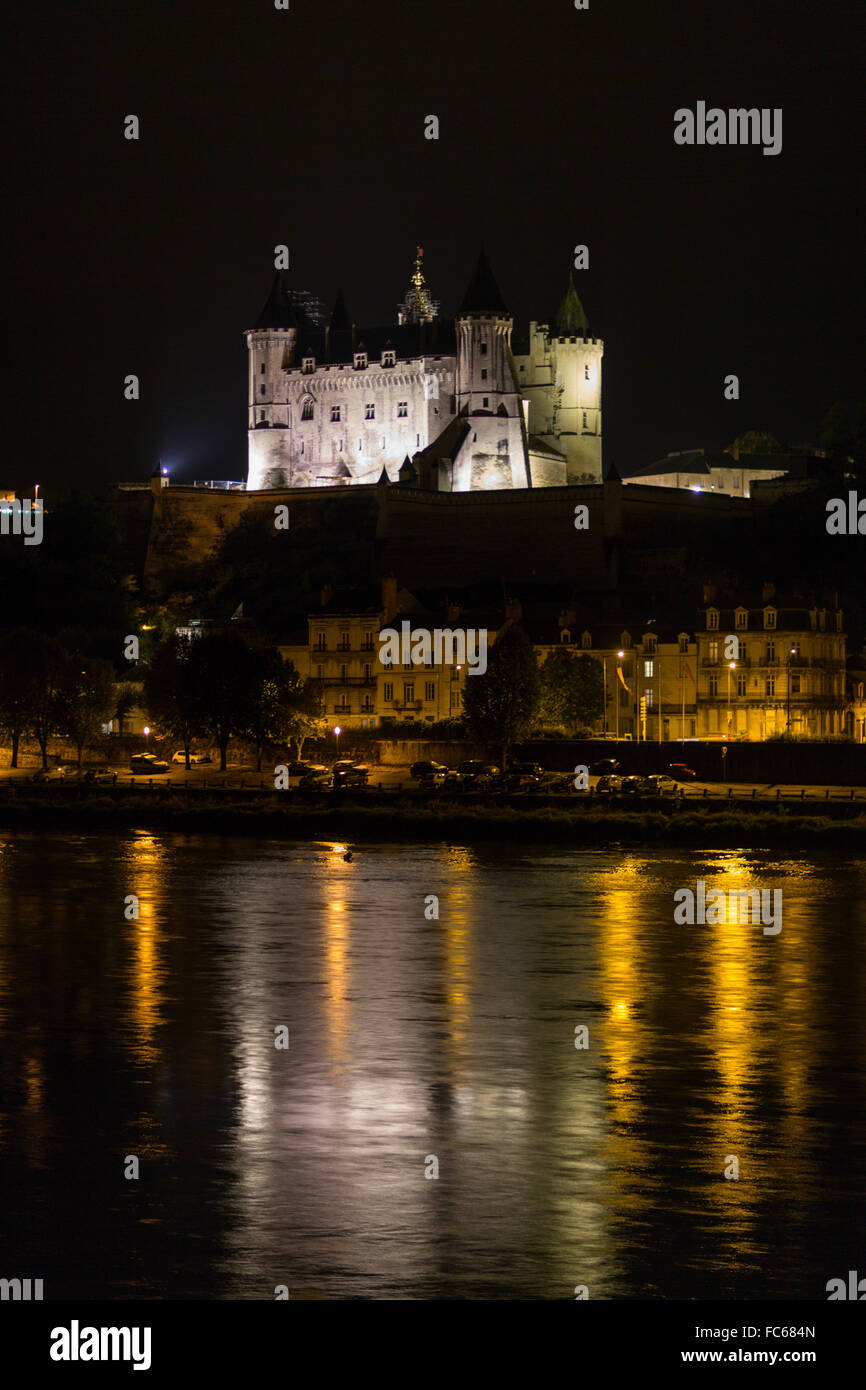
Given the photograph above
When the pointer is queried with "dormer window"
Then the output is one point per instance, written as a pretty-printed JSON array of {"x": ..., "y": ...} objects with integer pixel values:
[
  {"x": 769, "y": 617},
  {"x": 388, "y": 357},
  {"x": 712, "y": 620},
  {"x": 625, "y": 639},
  {"x": 360, "y": 361},
  {"x": 586, "y": 641},
  {"x": 741, "y": 619},
  {"x": 650, "y": 643},
  {"x": 308, "y": 365},
  {"x": 684, "y": 643},
  {"x": 565, "y": 636}
]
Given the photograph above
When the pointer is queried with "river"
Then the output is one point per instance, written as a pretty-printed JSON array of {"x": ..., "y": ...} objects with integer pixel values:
[{"x": 419, "y": 1045}]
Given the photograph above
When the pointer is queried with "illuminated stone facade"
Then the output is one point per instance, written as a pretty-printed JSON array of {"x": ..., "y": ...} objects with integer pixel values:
[{"x": 445, "y": 405}]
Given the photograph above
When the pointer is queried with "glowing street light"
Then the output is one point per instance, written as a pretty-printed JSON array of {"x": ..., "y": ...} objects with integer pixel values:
[
  {"x": 337, "y": 732},
  {"x": 732, "y": 666}
]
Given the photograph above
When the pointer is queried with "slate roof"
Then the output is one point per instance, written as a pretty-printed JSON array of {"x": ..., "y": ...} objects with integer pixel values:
[{"x": 483, "y": 295}]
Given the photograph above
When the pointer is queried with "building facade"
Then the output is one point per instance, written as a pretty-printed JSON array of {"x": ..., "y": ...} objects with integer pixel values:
[
  {"x": 770, "y": 668},
  {"x": 446, "y": 405}
]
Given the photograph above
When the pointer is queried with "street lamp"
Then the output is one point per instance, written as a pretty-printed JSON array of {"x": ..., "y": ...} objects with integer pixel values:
[
  {"x": 732, "y": 666},
  {"x": 620, "y": 656},
  {"x": 337, "y": 732},
  {"x": 792, "y": 652}
]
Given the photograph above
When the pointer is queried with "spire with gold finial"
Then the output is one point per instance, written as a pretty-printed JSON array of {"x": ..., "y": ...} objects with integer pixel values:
[{"x": 418, "y": 306}]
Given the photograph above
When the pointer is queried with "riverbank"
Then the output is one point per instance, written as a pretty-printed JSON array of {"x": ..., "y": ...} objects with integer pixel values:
[{"x": 723, "y": 824}]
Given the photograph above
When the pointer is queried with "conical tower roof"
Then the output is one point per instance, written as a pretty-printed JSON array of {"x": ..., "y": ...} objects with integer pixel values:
[
  {"x": 278, "y": 310},
  {"x": 571, "y": 320},
  {"x": 483, "y": 295},
  {"x": 340, "y": 314}
]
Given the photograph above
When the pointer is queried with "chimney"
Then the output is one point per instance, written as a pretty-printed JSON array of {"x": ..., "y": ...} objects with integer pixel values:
[
  {"x": 710, "y": 591},
  {"x": 768, "y": 592},
  {"x": 326, "y": 595},
  {"x": 389, "y": 597}
]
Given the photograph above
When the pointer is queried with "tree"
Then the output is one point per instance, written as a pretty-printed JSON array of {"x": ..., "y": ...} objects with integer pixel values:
[
  {"x": 86, "y": 698},
  {"x": 227, "y": 673},
  {"x": 45, "y": 662},
  {"x": 501, "y": 705},
  {"x": 171, "y": 691},
  {"x": 843, "y": 435},
  {"x": 17, "y": 677},
  {"x": 572, "y": 689}
]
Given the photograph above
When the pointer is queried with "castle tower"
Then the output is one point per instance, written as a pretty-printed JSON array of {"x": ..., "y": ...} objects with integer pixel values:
[
  {"x": 496, "y": 454},
  {"x": 271, "y": 345},
  {"x": 576, "y": 371}
]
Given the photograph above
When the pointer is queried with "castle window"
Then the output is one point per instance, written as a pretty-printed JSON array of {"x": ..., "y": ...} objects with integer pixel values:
[
  {"x": 402, "y": 410},
  {"x": 485, "y": 400},
  {"x": 369, "y": 412},
  {"x": 483, "y": 349},
  {"x": 360, "y": 360},
  {"x": 309, "y": 365},
  {"x": 261, "y": 417},
  {"x": 483, "y": 373},
  {"x": 264, "y": 369},
  {"x": 307, "y": 410},
  {"x": 584, "y": 420},
  {"x": 388, "y": 357},
  {"x": 586, "y": 372},
  {"x": 335, "y": 414},
  {"x": 262, "y": 389}
]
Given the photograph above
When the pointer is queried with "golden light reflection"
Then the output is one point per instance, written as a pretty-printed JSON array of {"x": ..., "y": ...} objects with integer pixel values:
[
  {"x": 457, "y": 928},
  {"x": 336, "y": 938},
  {"x": 146, "y": 879}
]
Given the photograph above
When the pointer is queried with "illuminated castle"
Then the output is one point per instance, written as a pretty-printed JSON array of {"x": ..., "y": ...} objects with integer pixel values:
[{"x": 450, "y": 405}]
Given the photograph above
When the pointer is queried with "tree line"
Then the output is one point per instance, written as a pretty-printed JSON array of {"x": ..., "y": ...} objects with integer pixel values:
[{"x": 218, "y": 685}]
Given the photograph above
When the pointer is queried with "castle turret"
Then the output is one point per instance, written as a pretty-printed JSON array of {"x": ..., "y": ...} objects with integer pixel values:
[
  {"x": 495, "y": 456},
  {"x": 576, "y": 369},
  {"x": 272, "y": 346}
]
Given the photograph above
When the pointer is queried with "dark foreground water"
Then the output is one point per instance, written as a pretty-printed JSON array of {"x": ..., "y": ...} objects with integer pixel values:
[{"x": 413, "y": 1040}]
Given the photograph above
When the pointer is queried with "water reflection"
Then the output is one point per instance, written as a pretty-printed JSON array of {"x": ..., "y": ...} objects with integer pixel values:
[{"x": 413, "y": 1036}]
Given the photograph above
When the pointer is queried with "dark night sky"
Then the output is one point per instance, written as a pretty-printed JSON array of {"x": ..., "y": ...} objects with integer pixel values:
[{"x": 260, "y": 126}]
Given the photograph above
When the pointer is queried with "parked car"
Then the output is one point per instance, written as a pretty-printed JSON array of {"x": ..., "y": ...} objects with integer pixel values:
[
  {"x": 608, "y": 785},
  {"x": 476, "y": 767},
  {"x": 520, "y": 778},
  {"x": 433, "y": 781},
  {"x": 352, "y": 774},
  {"x": 195, "y": 759},
  {"x": 98, "y": 774},
  {"x": 681, "y": 773},
  {"x": 147, "y": 763},
  {"x": 527, "y": 769},
  {"x": 300, "y": 767},
  {"x": 659, "y": 784},
  {"x": 316, "y": 776},
  {"x": 633, "y": 786},
  {"x": 424, "y": 768},
  {"x": 605, "y": 767},
  {"x": 49, "y": 774}
]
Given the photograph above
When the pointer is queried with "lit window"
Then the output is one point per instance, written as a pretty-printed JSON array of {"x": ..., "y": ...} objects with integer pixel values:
[
  {"x": 648, "y": 669},
  {"x": 649, "y": 699},
  {"x": 713, "y": 650}
]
